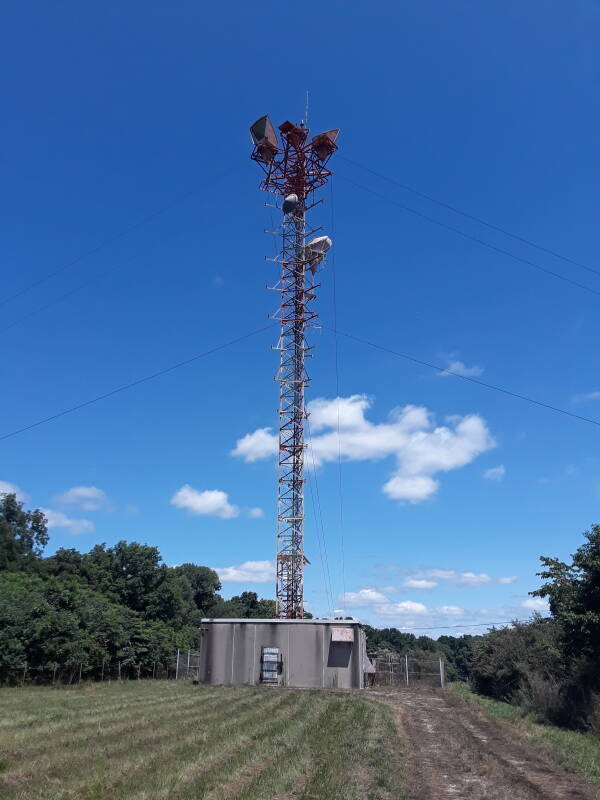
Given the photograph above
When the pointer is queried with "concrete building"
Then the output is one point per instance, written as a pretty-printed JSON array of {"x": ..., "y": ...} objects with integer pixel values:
[{"x": 307, "y": 653}]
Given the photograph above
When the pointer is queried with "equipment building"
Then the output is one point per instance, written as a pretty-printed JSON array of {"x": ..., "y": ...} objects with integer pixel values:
[{"x": 305, "y": 653}]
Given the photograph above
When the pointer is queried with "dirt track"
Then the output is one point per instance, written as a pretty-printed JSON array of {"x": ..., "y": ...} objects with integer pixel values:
[{"x": 454, "y": 751}]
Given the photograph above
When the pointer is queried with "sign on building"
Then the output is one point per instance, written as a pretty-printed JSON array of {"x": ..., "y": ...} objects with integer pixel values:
[
  {"x": 270, "y": 662},
  {"x": 342, "y": 634}
]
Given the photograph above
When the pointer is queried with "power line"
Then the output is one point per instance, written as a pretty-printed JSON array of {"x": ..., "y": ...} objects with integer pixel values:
[
  {"x": 470, "y": 625},
  {"x": 319, "y": 520},
  {"x": 470, "y": 237},
  {"x": 472, "y": 217},
  {"x": 337, "y": 394},
  {"x": 110, "y": 239},
  {"x": 446, "y": 371},
  {"x": 325, "y": 584},
  {"x": 136, "y": 382},
  {"x": 67, "y": 294}
]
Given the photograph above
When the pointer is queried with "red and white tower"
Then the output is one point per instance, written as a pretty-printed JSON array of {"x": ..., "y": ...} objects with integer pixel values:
[{"x": 294, "y": 170}]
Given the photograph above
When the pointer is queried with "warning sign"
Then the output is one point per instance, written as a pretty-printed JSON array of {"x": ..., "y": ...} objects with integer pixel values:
[{"x": 342, "y": 634}]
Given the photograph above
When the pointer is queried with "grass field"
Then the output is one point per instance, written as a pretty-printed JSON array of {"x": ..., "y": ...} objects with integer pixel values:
[
  {"x": 160, "y": 739},
  {"x": 575, "y": 752}
]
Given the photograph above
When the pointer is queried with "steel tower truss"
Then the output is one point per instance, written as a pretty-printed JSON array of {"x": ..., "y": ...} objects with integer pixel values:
[{"x": 297, "y": 167}]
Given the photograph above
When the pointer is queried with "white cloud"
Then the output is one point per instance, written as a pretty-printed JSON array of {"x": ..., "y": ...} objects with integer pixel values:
[
  {"x": 348, "y": 412},
  {"x": 582, "y": 398},
  {"x": 254, "y": 446},
  {"x": 495, "y": 473},
  {"x": 56, "y": 519},
  {"x": 11, "y": 488},
  {"x": 412, "y": 488},
  {"x": 430, "y": 578},
  {"x": 363, "y": 597},
  {"x": 536, "y": 604},
  {"x": 453, "y": 611},
  {"x": 459, "y": 368},
  {"x": 89, "y": 498},
  {"x": 212, "y": 502},
  {"x": 456, "y": 578},
  {"x": 472, "y": 579},
  {"x": 248, "y": 572},
  {"x": 421, "y": 448},
  {"x": 255, "y": 513},
  {"x": 406, "y": 607},
  {"x": 419, "y": 583}
]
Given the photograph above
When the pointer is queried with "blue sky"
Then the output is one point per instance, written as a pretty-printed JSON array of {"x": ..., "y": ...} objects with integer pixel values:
[{"x": 113, "y": 113}]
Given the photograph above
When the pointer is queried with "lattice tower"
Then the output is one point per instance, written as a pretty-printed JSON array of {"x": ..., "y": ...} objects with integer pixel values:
[{"x": 293, "y": 171}]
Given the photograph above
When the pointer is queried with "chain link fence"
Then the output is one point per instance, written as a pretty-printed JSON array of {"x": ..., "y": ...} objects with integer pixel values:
[
  {"x": 187, "y": 665},
  {"x": 115, "y": 670},
  {"x": 393, "y": 669}
]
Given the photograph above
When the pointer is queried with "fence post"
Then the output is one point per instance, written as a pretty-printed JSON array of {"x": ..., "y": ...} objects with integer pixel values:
[
  {"x": 406, "y": 667},
  {"x": 102, "y": 673},
  {"x": 442, "y": 673},
  {"x": 177, "y": 667},
  {"x": 80, "y": 668},
  {"x": 119, "y": 670},
  {"x": 188, "y": 666},
  {"x": 153, "y": 669}
]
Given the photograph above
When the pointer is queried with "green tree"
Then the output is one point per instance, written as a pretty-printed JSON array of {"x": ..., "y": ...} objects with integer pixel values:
[
  {"x": 22, "y": 605},
  {"x": 23, "y": 534},
  {"x": 507, "y": 662},
  {"x": 132, "y": 574},
  {"x": 204, "y": 583},
  {"x": 390, "y": 639},
  {"x": 458, "y": 652},
  {"x": 267, "y": 610},
  {"x": 64, "y": 564},
  {"x": 573, "y": 591},
  {"x": 246, "y": 605}
]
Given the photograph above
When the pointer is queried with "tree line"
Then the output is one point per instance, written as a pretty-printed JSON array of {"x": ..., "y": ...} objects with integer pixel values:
[{"x": 79, "y": 612}]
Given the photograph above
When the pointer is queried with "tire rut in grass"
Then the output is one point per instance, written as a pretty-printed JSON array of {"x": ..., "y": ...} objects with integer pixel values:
[{"x": 455, "y": 752}]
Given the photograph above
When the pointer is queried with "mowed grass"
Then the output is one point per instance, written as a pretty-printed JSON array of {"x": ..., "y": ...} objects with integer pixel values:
[
  {"x": 575, "y": 752},
  {"x": 167, "y": 739}
]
